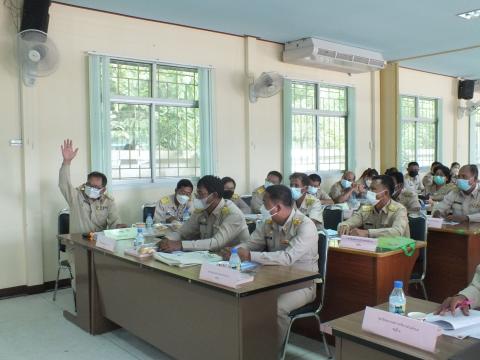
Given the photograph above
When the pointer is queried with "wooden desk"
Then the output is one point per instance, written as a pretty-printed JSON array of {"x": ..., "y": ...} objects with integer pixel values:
[
  {"x": 354, "y": 343},
  {"x": 356, "y": 279},
  {"x": 452, "y": 256},
  {"x": 174, "y": 310}
]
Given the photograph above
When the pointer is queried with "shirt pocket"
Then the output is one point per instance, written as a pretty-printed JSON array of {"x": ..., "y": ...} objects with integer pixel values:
[{"x": 100, "y": 215}]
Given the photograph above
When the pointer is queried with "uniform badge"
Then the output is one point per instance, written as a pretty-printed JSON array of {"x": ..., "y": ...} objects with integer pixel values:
[{"x": 165, "y": 200}]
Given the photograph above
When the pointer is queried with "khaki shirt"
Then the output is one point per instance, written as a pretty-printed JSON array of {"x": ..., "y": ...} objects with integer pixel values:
[
  {"x": 312, "y": 207},
  {"x": 458, "y": 203},
  {"x": 242, "y": 205},
  {"x": 472, "y": 292},
  {"x": 438, "y": 195},
  {"x": 413, "y": 184},
  {"x": 322, "y": 195},
  {"x": 257, "y": 199},
  {"x": 86, "y": 214},
  {"x": 166, "y": 208},
  {"x": 409, "y": 199},
  {"x": 224, "y": 226},
  {"x": 391, "y": 220},
  {"x": 336, "y": 191},
  {"x": 427, "y": 180},
  {"x": 295, "y": 243}
]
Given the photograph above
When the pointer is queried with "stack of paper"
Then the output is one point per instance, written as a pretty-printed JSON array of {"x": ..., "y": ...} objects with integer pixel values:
[
  {"x": 459, "y": 326},
  {"x": 184, "y": 259}
]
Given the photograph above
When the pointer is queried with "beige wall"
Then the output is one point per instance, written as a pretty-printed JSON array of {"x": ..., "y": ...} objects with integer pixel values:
[{"x": 248, "y": 137}]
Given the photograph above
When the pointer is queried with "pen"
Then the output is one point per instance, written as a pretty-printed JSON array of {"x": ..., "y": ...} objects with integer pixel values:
[{"x": 463, "y": 304}]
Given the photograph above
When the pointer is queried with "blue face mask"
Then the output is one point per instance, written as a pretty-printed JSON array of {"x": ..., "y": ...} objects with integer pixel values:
[
  {"x": 463, "y": 184},
  {"x": 439, "y": 180},
  {"x": 296, "y": 193},
  {"x": 267, "y": 184},
  {"x": 312, "y": 190},
  {"x": 346, "y": 184}
]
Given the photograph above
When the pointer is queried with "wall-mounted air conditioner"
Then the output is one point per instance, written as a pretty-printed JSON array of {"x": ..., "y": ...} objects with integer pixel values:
[{"x": 328, "y": 55}]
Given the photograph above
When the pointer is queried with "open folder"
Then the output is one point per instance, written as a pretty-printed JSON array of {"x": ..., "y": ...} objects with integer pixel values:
[
  {"x": 184, "y": 259},
  {"x": 459, "y": 326}
]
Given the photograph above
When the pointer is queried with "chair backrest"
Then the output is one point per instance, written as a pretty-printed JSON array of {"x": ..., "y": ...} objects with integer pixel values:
[
  {"x": 148, "y": 209},
  {"x": 332, "y": 217},
  {"x": 418, "y": 227},
  {"x": 63, "y": 227},
  {"x": 247, "y": 199},
  {"x": 322, "y": 264}
]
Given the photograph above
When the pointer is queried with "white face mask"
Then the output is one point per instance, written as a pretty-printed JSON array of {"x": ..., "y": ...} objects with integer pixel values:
[
  {"x": 266, "y": 213},
  {"x": 201, "y": 204},
  {"x": 182, "y": 199},
  {"x": 372, "y": 198},
  {"x": 267, "y": 184},
  {"x": 312, "y": 190},
  {"x": 92, "y": 193},
  {"x": 346, "y": 184}
]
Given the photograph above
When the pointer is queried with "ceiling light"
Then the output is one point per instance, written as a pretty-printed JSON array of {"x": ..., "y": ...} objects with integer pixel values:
[{"x": 469, "y": 15}]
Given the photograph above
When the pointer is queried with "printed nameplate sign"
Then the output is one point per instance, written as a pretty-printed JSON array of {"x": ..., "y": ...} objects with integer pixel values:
[
  {"x": 434, "y": 223},
  {"x": 104, "y": 242},
  {"x": 358, "y": 242},
  {"x": 400, "y": 328},
  {"x": 223, "y": 275}
]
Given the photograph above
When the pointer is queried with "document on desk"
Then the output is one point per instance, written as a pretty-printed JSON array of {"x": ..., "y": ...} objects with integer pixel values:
[
  {"x": 184, "y": 259},
  {"x": 459, "y": 326}
]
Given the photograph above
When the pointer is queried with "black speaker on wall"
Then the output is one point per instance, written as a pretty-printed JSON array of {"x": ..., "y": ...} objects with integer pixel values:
[
  {"x": 466, "y": 89},
  {"x": 35, "y": 15}
]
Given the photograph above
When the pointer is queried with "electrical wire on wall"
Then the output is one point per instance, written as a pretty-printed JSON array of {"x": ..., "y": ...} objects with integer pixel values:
[{"x": 14, "y": 7}]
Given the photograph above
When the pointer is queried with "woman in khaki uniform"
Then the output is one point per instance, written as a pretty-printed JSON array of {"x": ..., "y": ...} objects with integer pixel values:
[{"x": 441, "y": 185}]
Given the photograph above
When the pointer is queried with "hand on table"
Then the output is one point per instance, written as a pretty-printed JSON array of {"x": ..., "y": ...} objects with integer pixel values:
[
  {"x": 450, "y": 304},
  {"x": 244, "y": 254},
  {"x": 167, "y": 245},
  {"x": 458, "y": 218},
  {"x": 343, "y": 230},
  {"x": 359, "y": 232}
]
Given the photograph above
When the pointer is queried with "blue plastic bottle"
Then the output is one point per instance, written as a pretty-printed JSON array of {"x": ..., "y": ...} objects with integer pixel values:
[
  {"x": 397, "y": 301},
  {"x": 234, "y": 261}
]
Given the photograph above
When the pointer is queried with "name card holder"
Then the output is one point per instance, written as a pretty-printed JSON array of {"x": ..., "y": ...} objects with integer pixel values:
[
  {"x": 106, "y": 243},
  {"x": 359, "y": 243},
  {"x": 415, "y": 333},
  {"x": 434, "y": 223},
  {"x": 224, "y": 275}
]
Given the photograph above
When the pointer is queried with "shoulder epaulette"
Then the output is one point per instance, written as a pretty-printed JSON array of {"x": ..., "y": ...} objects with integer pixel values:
[
  {"x": 261, "y": 190},
  {"x": 297, "y": 221},
  {"x": 165, "y": 200},
  {"x": 366, "y": 208},
  {"x": 235, "y": 197},
  {"x": 197, "y": 211},
  {"x": 392, "y": 207},
  {"x": 225, "y": 211}
]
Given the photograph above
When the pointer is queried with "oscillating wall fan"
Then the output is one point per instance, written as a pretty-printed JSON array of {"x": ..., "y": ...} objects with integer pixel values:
[
  {"x": 268, "y": 84},
  {"x": 37, "y": 55},
  {"x": 469, "y": 108}
]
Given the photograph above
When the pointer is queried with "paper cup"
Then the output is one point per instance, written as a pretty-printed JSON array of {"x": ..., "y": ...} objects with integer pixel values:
[{"x": 417, "y": 315}]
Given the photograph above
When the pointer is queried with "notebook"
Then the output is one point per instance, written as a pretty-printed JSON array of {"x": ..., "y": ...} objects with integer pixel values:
[{"x": 459, "y": 326}]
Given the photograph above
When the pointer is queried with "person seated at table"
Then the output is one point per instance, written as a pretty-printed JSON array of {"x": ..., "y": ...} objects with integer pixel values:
[
  {"x": 172, "y": 208},
  {"x": 461, "y": 204},
  {"x": 214, "y": 224},
  {"x": 366, "y": 179},
  {"x": 441, "y": 186},
  {"x": 91, "y": 208},
  {"x": 427, "y": 179},
  {"x": 314, "y": 189},
  {"x": 229, "y": 186},
  {"x": 308, "y": 204},
  {"x": 468, "y": 298},
  {"x": 381, "y": 217},
  {"x": 406, "y": 197},
  {"x": 454, "y": 169},
  {"x": 412, "y": 179},
  {"x": 345, "y": 190},
  {"x": 284, "y": 237},
  {"x": 273, "y": 178}
]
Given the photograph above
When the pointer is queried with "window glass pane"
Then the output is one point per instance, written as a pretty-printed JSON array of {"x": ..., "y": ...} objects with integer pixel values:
[
  {"x": 332, "y": 99},
  {"x": 177, "y": 83},
  {"x": 475, "y": 117},
  {"x": 130, "y": 79},
  {"x": 407, "y": 106},
  {"x": 407, "y": 145},
  {"x": 130, "y": 141},
  {"x": 303, "y": 96},
  {"x": 304, "y": 144},
  {"x": 426, "y": 109},
  {"x": 177, "y": 142},
  {"x": 331, "y": 143},
  {"x": 425, "y": 143}
]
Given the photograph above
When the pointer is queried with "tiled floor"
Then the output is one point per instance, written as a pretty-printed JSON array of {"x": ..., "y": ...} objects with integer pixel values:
[{"x": 33, "y": 327}]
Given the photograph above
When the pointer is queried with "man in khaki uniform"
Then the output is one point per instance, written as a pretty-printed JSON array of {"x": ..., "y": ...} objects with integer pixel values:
[
  {"x": 172, "y": 208},
  {"x": 463, "y": 203},
  {"x": 214, "y": 224},
  {"x": 306, "y": 203},
  {"x": 404, "y": 196},
  {"x": 470, "y": 293},
  {"x": 91, "y": 209},
  {"x": 383, "y": 217},
  {"x": 314, "y": 189},
  {"x": 229, "y": 186},
  {"x": 412, "y": 179},
  {"x": 345, "y": 190},
  {"x": 285, "y": 237},
  {"x": 273, "y": 178}
]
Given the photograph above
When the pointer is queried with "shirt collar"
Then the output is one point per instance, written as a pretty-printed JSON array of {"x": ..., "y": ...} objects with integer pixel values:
[
  {"x": 218, "y": 209},
  {"x": 385, "y": 208}
]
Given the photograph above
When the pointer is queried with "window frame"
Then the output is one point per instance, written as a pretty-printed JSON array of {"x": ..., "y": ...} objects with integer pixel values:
[
  {"x": 416, "y": 119},
  {"x": 100, "y": 103},
  {"x": 473, "y": 123}
]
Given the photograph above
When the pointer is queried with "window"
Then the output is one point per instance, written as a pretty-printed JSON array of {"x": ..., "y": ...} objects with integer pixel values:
[
  {"x": 318, "y": 127},
  {"x": 475, "y": 137},
  {"x": 155, "y": 123},
  {"x": 418, "y": 134}
]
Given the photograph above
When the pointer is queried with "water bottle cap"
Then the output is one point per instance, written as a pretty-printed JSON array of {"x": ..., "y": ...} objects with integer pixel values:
[
  {"x": 398, "y": 284},
  {"x": 234, "y": 251},
  {"x": 139, "y": 230}
]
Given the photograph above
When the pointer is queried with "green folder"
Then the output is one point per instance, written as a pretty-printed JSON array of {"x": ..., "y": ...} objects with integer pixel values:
[
  {"x": 397, "y": 242},
  {"x": 121, "y": 234}
]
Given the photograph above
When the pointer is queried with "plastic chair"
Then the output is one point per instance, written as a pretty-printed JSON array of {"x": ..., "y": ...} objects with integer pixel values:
[
  {"x": 418, "y": 231},
  {"x": 148, "y": 208},
  {"x": 247, "y": 199},
  {"x": 312, "y": 310},
  {"x": 332, "y": 216}
]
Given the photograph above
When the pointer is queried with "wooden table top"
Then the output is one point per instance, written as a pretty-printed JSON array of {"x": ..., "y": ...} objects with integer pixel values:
[
  {"x": 351, "y": 327},
  {"x": 462, "y": 229},
  {"x": 266, "y": 277},
  {"x": 335, "y": 246}
]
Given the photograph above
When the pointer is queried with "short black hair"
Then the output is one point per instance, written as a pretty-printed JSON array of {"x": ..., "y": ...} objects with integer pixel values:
[
  {"x": 436, "y": 163},
  {"x": 228, "y": 179},
  {"x": 315, "y": 177},
  {"x": 445, "y": 170},
  {"x": 412, "y": 163},
  {"x": 213, "y": 184},
  {"x": 369, "y": 173},
  {"x": 276, "y": 173},
  {"x": 397, "y": 175},
  {"x": 184, "y": 183},
  {"x": 96, "y": 174},
  {"x": 454, "y": 164},
  {"x": 386, "y": 181},
  {"x": 473, "y": 170},
  {"x": 280, "y": 193},
  {"x": 302, "y": 176},
  {"x": 391, "y": 170}
]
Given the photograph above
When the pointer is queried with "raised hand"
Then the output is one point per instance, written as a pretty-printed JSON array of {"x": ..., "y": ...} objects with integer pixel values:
[{"x": 68, "y": 152}]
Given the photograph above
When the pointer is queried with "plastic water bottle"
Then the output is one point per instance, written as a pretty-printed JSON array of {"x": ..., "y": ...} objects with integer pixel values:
[
  {"x": 186, "y": 215},
  {"x": 139, "y": 240},
  {"x": 397, "y": 301},
  {"x": 149, "y": 224},
  {"x": 234, "y": 260},
  {"x": 423, "y": 209}
]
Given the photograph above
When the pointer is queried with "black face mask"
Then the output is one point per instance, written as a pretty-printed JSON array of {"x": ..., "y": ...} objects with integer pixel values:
[
  {"x": 413, "y": 173},
  {"x": 227, "y": 194}
]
